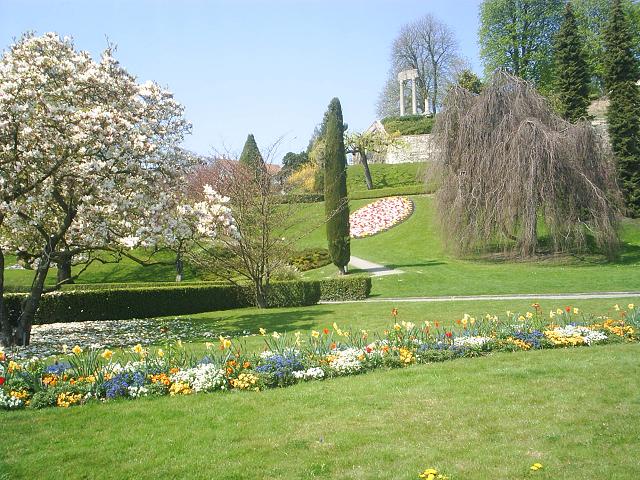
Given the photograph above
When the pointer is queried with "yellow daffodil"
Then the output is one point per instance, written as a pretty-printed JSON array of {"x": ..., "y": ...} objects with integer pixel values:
[
  {"x": 631, "y": 306},
  {"x": 616, "y": 307},
  {"x": 179, "y": 343},
  {"x": 224, "y": 343},
  {"x": 160, "y": 353},
  {"x": 263, "y": 332},
  {"x": 529, "y": 315},
  {"x": 427, "y": 323},
  {"x": 208, "y": 345},
  {"x": 276, "y": 335},
  {"x": 576, "y": 311},
  {"x": 521, "y": 318},
  {"x": 76, "y": 350},
  {"x": 397, "y": 327},
  {"x": 509, "y": 313},
  {"x": 138, "y": 349},
  {"x": 559, "y": 311},
  {"x": 65, "y": 347},
  {"x": 107, "y": 354},
  {"x": 536, "y": 466},
  {"x": 552, "y": 314},
  {"x": 315, "y": 334}
]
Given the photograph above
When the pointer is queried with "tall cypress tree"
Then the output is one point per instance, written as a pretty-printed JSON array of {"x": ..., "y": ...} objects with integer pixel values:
[
  {"x": 335, "y": 187},
  {"x": 623, "y": 115},
  {"x": 572, "y": 74},
  {"x": 250, "y": 156}
]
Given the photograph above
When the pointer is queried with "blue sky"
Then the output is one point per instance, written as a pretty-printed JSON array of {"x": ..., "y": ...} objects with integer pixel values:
[{"x": 264, "y": 67}]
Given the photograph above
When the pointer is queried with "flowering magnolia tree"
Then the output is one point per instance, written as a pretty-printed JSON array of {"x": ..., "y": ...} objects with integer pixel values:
[{"x": 87, "y": 157}]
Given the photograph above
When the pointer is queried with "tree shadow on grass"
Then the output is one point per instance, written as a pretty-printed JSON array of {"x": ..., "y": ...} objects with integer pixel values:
[{"x": 303, "y": 318}]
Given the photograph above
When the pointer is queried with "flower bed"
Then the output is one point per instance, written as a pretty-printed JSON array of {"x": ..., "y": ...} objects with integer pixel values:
[
  {"x": 95, "y": 374},
  {"x": 379, "y": 216}
]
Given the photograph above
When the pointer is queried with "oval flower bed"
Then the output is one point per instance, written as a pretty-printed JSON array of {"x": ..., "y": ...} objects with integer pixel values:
[
  {"x": 92, "y": 374},
  {"x": 379, "y": 216}
]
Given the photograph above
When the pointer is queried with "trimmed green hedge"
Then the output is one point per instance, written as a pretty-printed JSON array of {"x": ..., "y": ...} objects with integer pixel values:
[
  {"x": 147, "y": 302},
  {"x": 409, "y": 124},
  {"x": 132, "y": 285},
  {"x": 302, "y": 198},
  {"x": 357, "y": 287}
]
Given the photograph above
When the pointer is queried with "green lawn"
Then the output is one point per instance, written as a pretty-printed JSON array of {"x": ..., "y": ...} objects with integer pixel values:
[
  {"x": 416, "y": 248},
  {"x": 371, "y": 316},
  {"x": 576, "y": 411}
]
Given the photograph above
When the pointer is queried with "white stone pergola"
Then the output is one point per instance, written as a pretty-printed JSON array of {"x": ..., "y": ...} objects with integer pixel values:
[{"x": 404, "y": 76}]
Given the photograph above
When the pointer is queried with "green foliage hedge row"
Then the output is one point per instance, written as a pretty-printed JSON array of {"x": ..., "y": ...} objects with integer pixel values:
[
  {"x": 408, "y": 124},
  {"x": 146, "y": 302},
  {"x": 310, "y": 258},
  {"x": 302, "y": 198},
  {"x": 356, "y": 287},
  {"x": 132, "y": 285}
]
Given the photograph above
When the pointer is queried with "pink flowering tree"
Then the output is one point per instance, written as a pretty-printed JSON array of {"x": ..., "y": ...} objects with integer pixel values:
[{"x": 87, "y": 157}]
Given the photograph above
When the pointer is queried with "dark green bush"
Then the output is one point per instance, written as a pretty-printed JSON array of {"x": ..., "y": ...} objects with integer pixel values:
[
  {"x": 302, "y": 198},
  {"x": 310, "y": 258},
  {"x": 107, "y": 286},
  {"x": 146, "y": 302},
  {"x": 408, "y": 124},
  {"x": 357, "y": 287}
]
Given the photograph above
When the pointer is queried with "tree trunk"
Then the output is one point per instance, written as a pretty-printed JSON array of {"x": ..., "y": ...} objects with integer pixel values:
[
  {"x": 367, "y": 172},
  {"x": 5, "y": 326},
  {"x": 22, "y": 334},
  {"x": 179, "y": 267},
  {"x": 64, "y": 268},
  {"x": 261, "y": 294}
]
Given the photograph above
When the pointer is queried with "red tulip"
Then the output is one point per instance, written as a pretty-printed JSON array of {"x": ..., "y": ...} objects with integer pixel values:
[
  {"x": 325, "y": 331},
  {"x": 568, "y": 309},
  {"x": 448, "y": 334},
  {"x": 1, "y": 381}
]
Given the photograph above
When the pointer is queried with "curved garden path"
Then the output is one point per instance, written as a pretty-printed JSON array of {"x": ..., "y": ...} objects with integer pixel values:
[{"x": 375, "y": 269}]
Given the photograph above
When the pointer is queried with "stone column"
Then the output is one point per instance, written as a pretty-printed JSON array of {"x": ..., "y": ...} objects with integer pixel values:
[
  {"x": 401, "y": 98},
  {"x": 414, "y": 106}
]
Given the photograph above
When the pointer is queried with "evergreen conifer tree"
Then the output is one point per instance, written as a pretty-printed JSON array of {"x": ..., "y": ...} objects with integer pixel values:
[
  {"x": 572, "y": 75},
  {"x": 251, "y": 156},
  {"x": 335, "y": 187},
  {"x": 623, "y": 115}
]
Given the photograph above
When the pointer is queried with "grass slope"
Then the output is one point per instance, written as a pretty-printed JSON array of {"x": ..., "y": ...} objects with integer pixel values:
[
  {"x": 416, "y": 248},
  {"x": 576, "y": 411}
]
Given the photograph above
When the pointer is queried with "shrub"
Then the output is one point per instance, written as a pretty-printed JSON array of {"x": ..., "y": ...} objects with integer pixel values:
[
  {"x": 147, "y": 302},
  {"x": 357, "y": 287},
  {"x": 310, "y": 258},
  {"x": 408, "y": 124},
  {"x": 302, "y": 198}
]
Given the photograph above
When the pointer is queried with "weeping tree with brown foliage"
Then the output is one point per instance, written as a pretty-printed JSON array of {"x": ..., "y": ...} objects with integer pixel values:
[{"x": 511, "y": 167}]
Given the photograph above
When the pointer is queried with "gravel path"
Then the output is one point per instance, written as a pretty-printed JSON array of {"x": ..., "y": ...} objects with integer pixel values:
[
  {"x": 375, "y": 269},
  {"x": 523, "y": 296}
]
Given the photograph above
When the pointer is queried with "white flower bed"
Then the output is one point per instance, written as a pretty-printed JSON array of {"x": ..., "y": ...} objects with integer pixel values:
[
  {"x": 588, "y": 336},
  {"x": 202, "y": 378},
  {"x": 344, "y": 362},
  {"x": 313, "y": 373},
  {"x": 471, "y": 341},
  {"x": 379, "y": 216}
]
